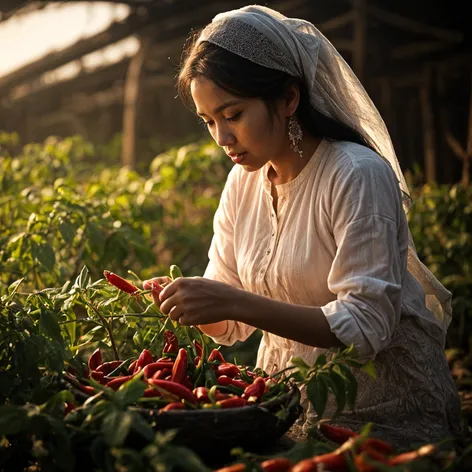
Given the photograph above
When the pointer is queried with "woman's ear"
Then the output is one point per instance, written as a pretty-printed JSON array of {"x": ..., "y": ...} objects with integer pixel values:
[{"x": 292, "y": 99}]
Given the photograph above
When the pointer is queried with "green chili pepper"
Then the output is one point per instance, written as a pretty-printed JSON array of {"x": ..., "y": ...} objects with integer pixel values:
[{"x": 175, "y": 272}]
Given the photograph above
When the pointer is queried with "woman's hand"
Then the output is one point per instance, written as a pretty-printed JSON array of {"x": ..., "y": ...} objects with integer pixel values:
[
  {"x": 199, "y": 301},
  {"x": 156, "y": 285}
]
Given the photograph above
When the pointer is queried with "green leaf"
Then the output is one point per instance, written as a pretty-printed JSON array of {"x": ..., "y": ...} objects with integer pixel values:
[
  {"x": 44, "y": 254},
  {"x": 96, "y": 236},
  {"x": 320, "y": 360},
  {"x": 141, "y": 426},
  {"x": 116, "y": 427},
  {"x": 351, "y": 386},
  {"x": 338, "y": 387},
  {"x": 129, "y": 392},
  {"x": 83, "y": 280},
  {"x": 317, "y": 392},
  {"x": 13, "y": 419},
  {"x": 68, "y": 231},
  {"x": 369, "y": 369},
  {"x": 49, "y": 325},
  {"x": 13, "y": 288},
  {"x": 299, "y": 362},
  {"x": 337, "y": 370},
  {"x": 60, "y": 398}
]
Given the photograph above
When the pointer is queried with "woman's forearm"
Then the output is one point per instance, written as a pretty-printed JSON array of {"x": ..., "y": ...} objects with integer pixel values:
[{"x": 303, "y": 324}]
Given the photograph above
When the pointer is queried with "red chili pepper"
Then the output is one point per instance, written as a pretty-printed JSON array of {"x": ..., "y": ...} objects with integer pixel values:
[
  {"x": 144, "y": 359},
  {"x": 378, "y": 445},
  {"x": 196, "y": 360},
  {"x": 174, "y": 406},
  {"x": 225, "y": 381},
  {"x": 405, "y": 457},
  {"x": 363, "y": 465},
  {"x": 119, "y": 282},
  {"x": 132, "y": 367},
  {"x": 151, "y": 392},
  {"x": 115, "y": 384},
  {"x": 228, "y": 369},
  {"x": 232, "y": 402},
  {"x": 108, "y": 367},
  {"x": 156, "y": 287},
  {"x": 68, "y": 407},
  {"x": 162, "y": 374},
  {"x": 255, "y": 391},
  {"x": 279, "y": 464},
  {"x": 175, "y": 389},
  {"x": 202, "y": 395},
  {"x": 172, "y": 343},
  {"x": 198, "y": 348},
  {"x": 233, "y": 468},
  {"x": 95, "y": 359},
  {"x": 216, "y": 355},
  {"x": 179, "y": 370},
  {"x": 98, "y": 376},
  {"x": 306, "y": 465},
  {"x": 151, "y": 369},
  {"x": 332, "y": 461},
  {"x": 88, "y": 389},
  {"x": 336, "y": 434}
]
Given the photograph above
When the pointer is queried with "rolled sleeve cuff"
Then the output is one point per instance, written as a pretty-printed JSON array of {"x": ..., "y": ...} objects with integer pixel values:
[{"x": 346, "y": 328}]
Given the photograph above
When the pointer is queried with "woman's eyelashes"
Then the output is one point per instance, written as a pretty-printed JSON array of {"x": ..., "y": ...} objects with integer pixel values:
[
  {"x": 232, "y": 118},
  {"x": 235, "y": 117}
]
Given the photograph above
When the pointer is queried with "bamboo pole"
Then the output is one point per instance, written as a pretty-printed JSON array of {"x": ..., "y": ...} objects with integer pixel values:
[
  {"x": 428, "y": 126},
  {"x": 132, "y": 95},
  {"x": 466, "y": 164}
]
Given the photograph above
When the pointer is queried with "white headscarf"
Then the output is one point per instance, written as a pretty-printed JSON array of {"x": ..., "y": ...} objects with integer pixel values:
[{"x": 297, "y": 47}]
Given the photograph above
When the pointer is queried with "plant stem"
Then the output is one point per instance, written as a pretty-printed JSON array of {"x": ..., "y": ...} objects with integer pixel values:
[{"x": 106, "y": 325}]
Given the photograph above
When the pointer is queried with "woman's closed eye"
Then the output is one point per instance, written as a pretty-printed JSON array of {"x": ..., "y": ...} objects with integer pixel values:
[{"x": 234, "y": 117}]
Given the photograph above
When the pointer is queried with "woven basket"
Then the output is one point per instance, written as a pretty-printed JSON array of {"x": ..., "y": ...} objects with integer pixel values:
[
  {"x": 212, "y": 433},
  {"x": 217, "y": 431}
]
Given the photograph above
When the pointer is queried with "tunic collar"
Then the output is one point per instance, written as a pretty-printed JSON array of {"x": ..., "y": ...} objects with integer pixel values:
[{"x": 286, "y": 188}]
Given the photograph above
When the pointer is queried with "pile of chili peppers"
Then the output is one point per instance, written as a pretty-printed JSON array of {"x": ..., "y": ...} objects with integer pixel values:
[
  {"x": 181, "y": 378},
  {"x": 365, "y": 454}
]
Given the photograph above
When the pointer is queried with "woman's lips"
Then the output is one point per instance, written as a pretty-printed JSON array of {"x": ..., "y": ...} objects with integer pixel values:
[{"x": 237, "y": 158}]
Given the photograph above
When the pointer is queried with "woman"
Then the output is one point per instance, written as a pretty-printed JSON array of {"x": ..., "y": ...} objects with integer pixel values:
[{"x": 311, "y": 243}]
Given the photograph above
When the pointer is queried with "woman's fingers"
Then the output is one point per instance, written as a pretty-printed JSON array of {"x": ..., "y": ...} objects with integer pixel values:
[
  {"x": 156, "y": 284},
  {"x": 168, "y": 304},
  {"x": 160, "y": 280}
]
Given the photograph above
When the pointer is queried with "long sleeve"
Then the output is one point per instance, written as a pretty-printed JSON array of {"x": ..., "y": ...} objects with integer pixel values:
[
  {"x": 371, "y": 236},
  {"x": 222, "y": 265}
]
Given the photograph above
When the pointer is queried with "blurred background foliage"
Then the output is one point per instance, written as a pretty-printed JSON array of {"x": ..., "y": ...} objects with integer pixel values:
[{"x": 62, "y": 207}]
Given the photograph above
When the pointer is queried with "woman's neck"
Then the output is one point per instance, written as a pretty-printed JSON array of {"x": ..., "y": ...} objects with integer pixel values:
[{"x": 290, "y": 164}]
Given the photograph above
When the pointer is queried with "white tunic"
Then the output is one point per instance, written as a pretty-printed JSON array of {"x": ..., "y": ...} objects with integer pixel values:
[{"x": 339, "y": 241}]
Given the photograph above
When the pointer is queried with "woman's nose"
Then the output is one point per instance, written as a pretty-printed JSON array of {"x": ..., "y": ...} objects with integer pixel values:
[{"x": 224, "y": 137}]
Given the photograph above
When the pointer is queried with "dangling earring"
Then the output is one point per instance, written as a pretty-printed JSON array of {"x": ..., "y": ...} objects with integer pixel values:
[{"x": 295, "y": 135}]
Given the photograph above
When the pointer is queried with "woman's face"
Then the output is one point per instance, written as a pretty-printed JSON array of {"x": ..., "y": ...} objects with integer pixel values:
[{"x": 242, "y": 127}]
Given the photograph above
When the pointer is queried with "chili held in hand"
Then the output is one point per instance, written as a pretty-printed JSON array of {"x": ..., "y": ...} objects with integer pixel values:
[{"x": 120, "y": 282}]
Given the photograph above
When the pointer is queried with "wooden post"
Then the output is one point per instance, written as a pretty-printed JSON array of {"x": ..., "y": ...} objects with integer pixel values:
[
  {"x": 428, "y": 126},
  {"x": 131, "y": 99},
  {"x": 468, "y": 156},
  {"x": 360, "y": 33}
]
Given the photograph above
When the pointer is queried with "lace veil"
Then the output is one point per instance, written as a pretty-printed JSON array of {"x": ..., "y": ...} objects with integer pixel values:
[{"x": 297, "y": 47}]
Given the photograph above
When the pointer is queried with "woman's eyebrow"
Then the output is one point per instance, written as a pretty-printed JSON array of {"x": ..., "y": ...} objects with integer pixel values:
[{"x": 221, "y": 107}]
